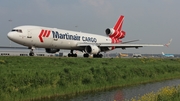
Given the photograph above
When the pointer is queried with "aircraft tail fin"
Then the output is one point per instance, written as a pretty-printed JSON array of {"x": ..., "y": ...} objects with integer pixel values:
[
  {"x": 118, "y": 25},
  {"x": 116, "y": 32},
  {"x": 167, "y": 45},
  {"x": 163, "y": 53}
]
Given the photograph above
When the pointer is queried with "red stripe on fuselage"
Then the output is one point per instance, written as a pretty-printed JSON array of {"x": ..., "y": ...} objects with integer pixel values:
[
  {"x": 48, "y": 33},
  {"x": 45, "y": 33},
  {"x": 40, "y": 36}
]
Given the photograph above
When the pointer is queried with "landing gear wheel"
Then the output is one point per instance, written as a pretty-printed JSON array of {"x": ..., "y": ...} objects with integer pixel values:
[
  {"x": 97, "y": 56},
  {"x": 71, "y": 54},
  {"x": 75, "y": 55},
  {"x": 100, "y": 55},
  {"x": 31, "y": 53},
  {"x": 86, "y": 55}
]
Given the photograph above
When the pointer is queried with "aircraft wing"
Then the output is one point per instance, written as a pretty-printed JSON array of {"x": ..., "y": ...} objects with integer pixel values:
[
  {"x": 7, "y": 47},
  {"x": 119, "y": 45},
  {"x": 124, "y": 46}
]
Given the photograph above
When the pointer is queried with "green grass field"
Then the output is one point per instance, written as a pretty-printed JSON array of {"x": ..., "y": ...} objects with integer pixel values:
[
  {"x": 27, "y": 78},
  {"x": 169, "y": 93}
]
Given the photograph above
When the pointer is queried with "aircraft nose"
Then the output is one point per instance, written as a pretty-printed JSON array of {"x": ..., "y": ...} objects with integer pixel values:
[{"x": 10, "y": 35}]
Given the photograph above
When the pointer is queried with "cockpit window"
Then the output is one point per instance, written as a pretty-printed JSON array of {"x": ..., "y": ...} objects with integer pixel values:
[{"x": 17, "y": 30}]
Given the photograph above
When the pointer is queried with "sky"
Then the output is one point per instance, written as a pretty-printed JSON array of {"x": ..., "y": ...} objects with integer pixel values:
[{"x": 151, "y": 21}]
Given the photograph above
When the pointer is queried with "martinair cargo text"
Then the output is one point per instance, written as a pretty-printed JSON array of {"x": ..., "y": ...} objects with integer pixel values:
[{"x": 53, "y": 39}]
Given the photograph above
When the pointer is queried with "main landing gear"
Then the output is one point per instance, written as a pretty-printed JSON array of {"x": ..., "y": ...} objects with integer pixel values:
[
  {"x": 86, "y": 55},
  {"x": 71, "y": 54},
  {"x": 97, "y": 56}
]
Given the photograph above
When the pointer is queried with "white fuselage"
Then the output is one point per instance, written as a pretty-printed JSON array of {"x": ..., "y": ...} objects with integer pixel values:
[
  {"x": 44, "y": 37},
  {"x": 53, "y": 39}
]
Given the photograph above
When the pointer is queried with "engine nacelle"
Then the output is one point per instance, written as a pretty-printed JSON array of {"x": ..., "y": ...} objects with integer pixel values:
[
  {"x": 109, "y": 31},
  {"x": 51, "y": 50},
  {"x": 115, "y": 33},
  {"x": 92, "y": 49}
]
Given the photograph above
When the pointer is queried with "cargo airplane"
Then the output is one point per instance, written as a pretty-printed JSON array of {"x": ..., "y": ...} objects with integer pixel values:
[{"x": 53, "y": 39}]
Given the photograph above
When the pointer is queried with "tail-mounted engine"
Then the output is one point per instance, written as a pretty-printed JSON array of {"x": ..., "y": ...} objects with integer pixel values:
[
  {"x": 115, "y": 33},
  {"x": 92, "y": 49},
  {"x": 51, "y": 50}
]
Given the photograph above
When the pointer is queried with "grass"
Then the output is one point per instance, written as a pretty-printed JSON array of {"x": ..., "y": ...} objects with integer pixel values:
[
  {"x": 164, "y": 94},
  {"x": 27, "y": 78}
]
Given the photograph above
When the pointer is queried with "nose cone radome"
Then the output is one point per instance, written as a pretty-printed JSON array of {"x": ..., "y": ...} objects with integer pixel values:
[
  {"x": 13, "y": 36},
  {"x": 10, "y": 35}
]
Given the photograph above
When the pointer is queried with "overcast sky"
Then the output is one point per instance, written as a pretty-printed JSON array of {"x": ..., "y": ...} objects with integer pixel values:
[{"x": 152, "y": 21}]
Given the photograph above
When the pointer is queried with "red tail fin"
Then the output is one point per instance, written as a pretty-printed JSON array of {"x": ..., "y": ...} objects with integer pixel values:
[
  {"x": 117, "y": 31},
  {"x": 118, "y": 25}
]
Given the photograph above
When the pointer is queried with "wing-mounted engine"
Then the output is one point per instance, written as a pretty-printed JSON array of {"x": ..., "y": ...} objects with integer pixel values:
[
  {"x": 115, "y": 33},
  {"x": 51, "y": 50},
  {"x": 92, "y": 49}
]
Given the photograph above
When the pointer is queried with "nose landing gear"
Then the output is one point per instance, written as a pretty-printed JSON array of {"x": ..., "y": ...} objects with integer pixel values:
[{"x": 31, "y": 53}]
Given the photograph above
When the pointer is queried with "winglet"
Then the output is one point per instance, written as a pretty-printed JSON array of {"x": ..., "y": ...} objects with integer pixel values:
[{"x": 167, "y": 45}]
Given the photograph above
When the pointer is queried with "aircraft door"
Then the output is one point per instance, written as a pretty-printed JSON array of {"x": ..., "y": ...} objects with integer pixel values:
[{"x": 29, "y": 36}]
